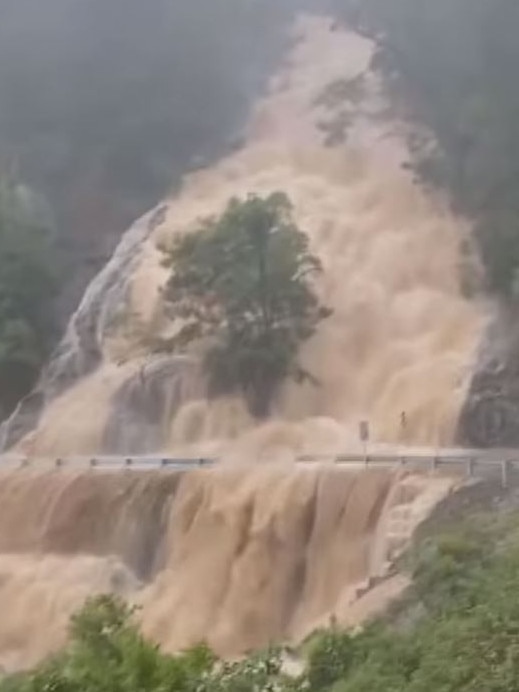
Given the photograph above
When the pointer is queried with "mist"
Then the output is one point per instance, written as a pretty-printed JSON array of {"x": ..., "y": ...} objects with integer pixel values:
[{"x": 105, "y": 104}]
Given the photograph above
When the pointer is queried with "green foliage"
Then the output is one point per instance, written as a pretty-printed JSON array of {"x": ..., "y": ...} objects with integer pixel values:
[
  {"x": 27, "y": 285},
  {"x": 105, "y": 104},
  {"x": 456, "y": 63},
  {"x": 330, "y": 657},
  {"x": 242, "y": 284},
  {"x": 446, "y": 565},
  {"x": 107, "y": 653},
  {"x": 467, "y": 639},
  {"x": 259, "y": 673}
]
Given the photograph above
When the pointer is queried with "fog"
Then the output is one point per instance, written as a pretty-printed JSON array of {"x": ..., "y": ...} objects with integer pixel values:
[{"x": 104, "y": 104}]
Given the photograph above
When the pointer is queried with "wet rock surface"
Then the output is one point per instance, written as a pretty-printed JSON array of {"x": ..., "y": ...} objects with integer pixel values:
[
  {"x": 490, "y": 416},
  {"x": 80, "y": 350},
  {"x": 144, "y": 406}
]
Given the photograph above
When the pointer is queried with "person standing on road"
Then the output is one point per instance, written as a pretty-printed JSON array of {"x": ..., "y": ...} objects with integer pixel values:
[{"x": 403, "y": 425}]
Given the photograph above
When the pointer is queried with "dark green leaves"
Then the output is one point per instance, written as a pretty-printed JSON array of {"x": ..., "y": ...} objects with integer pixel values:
[
  {"x": 27, "y": 285},
  {"x": 241, "y": 285}
]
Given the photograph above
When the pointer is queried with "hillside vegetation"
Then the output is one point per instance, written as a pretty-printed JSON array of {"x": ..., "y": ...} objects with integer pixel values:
[
  {"x": 28, "y": 280},
  {"x": 454, "y": 62},
  {"x": 104, "y": 105},
  {"x": 456, "y": 631}
]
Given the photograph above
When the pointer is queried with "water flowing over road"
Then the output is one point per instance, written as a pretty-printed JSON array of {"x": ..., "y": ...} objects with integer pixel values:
[{"x": 471, "y": 463}]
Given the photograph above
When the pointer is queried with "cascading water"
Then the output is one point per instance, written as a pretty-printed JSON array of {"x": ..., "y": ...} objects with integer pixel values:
[
  {"x": 237, "y": 556},
  {"x": 81, "y": 350},
  {"x": 244, "y": 555},
  {"x": 402, "y": 335}
]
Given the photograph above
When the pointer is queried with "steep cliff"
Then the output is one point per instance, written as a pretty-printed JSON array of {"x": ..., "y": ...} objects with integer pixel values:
[
  {"x": 244, "y": 555},
  {"x": 402, "y": 336},
  {"x": 490, "y": 415}
]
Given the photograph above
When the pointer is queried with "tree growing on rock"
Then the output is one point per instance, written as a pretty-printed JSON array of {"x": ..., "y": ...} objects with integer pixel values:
[{"x": 241, "y": 285}]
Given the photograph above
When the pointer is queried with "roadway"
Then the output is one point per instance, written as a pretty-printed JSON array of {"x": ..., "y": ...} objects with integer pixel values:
[{"x": 470, "y": 462}]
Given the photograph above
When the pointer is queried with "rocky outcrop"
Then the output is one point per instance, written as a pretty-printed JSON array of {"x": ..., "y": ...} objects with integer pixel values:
[
  {"x": 144, "y": 406},
  {"x": 490, "y": 416},
  {"x": 80, "y": 350}
]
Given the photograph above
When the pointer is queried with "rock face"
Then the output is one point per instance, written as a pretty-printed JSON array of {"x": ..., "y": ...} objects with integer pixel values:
[
  {"x": 490, "y": 416},
  {"x": 399, "y": 339},
  {"x": 145, "y": 404},
  {"x": 80, "y": 350}
]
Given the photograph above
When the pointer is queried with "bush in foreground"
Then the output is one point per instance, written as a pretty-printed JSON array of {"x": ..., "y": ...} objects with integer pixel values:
[{"x": 467, "y": 639}]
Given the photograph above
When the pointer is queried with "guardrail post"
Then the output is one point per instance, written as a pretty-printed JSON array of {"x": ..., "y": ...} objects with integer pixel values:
[
  {"x": 434, "y": 464},
  {"x": 93, "y": 463},
  {"x": 59, "y": 463},
  {"x": 505, "y": 473},
  {"x": 470, "y": 467}
]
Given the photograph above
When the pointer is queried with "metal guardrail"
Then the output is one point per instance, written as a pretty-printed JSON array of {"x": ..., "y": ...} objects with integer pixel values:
[
  {"x": 105, "y": 463},
  {"x": 469, "y": 463}
]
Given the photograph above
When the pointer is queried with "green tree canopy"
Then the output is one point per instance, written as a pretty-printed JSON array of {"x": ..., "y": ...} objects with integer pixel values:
[
  {"x": 107, "y": 653},
  {"x": 242, "y": 285},
  {"x": 27, "y": 286}
]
